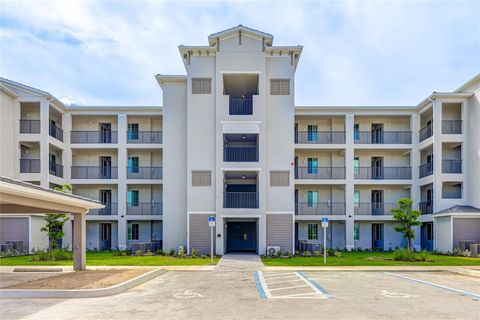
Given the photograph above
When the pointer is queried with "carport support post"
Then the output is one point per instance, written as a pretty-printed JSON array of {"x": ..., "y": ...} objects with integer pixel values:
[{"x": 79, "y": 241}]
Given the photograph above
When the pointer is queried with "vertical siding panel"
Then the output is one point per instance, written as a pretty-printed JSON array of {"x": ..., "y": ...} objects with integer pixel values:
[
  {"x": 14, "y": 229},
  {"x": 199, "y": 233},
  {"x": 465, "y": 229},
  {"x": 280, "y": 231}
]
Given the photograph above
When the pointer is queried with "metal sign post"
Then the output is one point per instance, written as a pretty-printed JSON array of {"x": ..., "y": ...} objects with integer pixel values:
[
  {"x": 211, "y": 224},
  {"x": 324, "y": 226}
]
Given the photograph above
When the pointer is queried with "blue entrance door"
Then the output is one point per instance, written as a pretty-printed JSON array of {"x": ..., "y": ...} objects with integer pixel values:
[{"x": 241, "y": 236}]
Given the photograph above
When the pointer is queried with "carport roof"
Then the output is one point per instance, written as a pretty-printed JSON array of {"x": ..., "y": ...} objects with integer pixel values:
[{"x": 460, "y": 209}]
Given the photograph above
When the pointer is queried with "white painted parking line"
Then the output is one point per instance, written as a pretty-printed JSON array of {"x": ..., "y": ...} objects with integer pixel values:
[
  {"x": 287, "y": 288},
  {"x": 465, "y": 293},
  {"x": 284, "y": 281}
]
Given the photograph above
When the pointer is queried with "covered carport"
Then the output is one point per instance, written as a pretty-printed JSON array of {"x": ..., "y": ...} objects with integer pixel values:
[{"x": 18, "y": 197}]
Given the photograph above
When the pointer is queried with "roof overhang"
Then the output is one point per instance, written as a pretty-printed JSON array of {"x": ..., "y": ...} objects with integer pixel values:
[
  {"x": 25, "y": 198},
  {"x": 214, "y": 37},
  {"x": 163, "y": 79}
]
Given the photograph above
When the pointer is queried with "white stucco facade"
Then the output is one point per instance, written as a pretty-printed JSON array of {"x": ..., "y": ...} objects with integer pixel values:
[{"x": 230, "y": 142}]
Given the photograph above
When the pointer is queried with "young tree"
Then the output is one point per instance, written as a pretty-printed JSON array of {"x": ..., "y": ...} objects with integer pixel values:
[
  {"x": 55, "y": 221},
  {"x": 407, "y": 218}
]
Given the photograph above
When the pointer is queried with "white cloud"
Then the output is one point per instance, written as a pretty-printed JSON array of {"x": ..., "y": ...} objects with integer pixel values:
[{"x": 106, "y": 53}]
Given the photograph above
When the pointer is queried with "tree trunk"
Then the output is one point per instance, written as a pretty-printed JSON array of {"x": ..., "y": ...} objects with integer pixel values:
[{"x": 409, "y": 244}]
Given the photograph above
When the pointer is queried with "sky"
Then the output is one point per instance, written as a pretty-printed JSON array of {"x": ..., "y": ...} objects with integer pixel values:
[{"x": 355, "y": 53}]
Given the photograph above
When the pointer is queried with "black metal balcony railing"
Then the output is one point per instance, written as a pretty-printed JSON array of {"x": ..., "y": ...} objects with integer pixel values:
[
  {"x": 240, "y": 153},
  {"x": 94, "y": 137},
  {"x": 383, "y": 137},
  {"x": 56, "y": 132},
  {"x": 144, "y": 173},
  {"x": 383, "y": 173},
  {"x": 56, "y": 169},
  {"x": 320, "y": 137},
  {"x": 155, "y": 137},
  {"x": 94, "y": 172},
  {"x": 320, "y": 173},
  {"x": 145, "y": 208},
  {"x": 320, "y": 208},
  {"x": 452, "y": 166},
  {"x": 29, "y": 165},
  {"x": 426, "y": 207},
  {"x": 109, "y": 210},
  {"x": 425, "y": 133},
  {"x": 29, "y": 126},
  {"x": 243, "y": 200},
  {"x": 425, "y": 169},
  {"x": 374, "y": 208},
  {"x": 452, "y": 126},
  {"x": 240, "y": 107}
]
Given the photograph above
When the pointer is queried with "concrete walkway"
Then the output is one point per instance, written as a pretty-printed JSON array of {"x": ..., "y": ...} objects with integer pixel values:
[{"x": 239, "y": 262}]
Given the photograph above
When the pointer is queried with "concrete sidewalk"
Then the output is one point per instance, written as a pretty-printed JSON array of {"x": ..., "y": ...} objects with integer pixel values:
[{"x": 239, "y": 262}]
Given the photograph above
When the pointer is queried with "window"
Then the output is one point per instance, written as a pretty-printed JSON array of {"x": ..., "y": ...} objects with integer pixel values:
[
  {"x": 356, "y": 231},
  {"x": 280, "y": 86},
  {"x": 133, "y": 231},
  {"x": 202, "y": 86},
  {"x": 279, "y": 178},
  {"x": 201, "y": 178},
  {"x": 312, "y": 231},
  {"x": 356, "y": 198},
  {"x": 312, "y": 199},
  {"x": 133, "y": 165},
  {"x": 312, "y": 133},
  {"x": 430, "y": 231},
  {"x": 312, "y": 165},
  {"x": 132, "y": 198},
  {"x": 356, "y": 131},
  {"x": 356, "y": 165},
  {"x": 132, "y": 133}
]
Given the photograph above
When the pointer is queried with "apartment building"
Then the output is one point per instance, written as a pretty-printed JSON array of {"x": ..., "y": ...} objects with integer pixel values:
[{"x": 229, "y": 142}]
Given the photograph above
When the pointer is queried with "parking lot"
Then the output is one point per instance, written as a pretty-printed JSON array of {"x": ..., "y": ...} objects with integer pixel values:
[{"x": 272, "y": 294}]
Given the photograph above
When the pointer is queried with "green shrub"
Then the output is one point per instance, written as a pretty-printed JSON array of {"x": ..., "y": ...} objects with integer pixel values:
[
  {"x": 279, "y": 253},
  {"x": 181, "y": 254},
  {"x": 149, "y": 253},
  {"x": 287, "y": 253},
  {"x": 139, "y": 252},
  {"x": 337, "y": 254},
  {"x": 171, "y": 252},
  {"x": 330, "y": 252},
  {"x": 194, "y": 253},
  {"x": 462, "y": 253},
  {"x": 403, "y": 255},
  {"x": 307, "y": 253},
  {"x": 160, "y": 252},
  {"x": 422, "y": 256},
  {"x": 52, "y": 255},
  {"x": 316, "y": 253}
]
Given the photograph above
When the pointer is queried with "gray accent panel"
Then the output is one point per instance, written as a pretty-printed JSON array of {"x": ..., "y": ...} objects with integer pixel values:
[
  {"x": 199, "y": 233},
  {"x": 280, "y": 231},
  {"x": 14, "y": 229},
  {"x": 465, "y": 229}
]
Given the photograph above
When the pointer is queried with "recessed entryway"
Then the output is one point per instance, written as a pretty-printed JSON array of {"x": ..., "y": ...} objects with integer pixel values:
[{"x": 241, "y": 236}]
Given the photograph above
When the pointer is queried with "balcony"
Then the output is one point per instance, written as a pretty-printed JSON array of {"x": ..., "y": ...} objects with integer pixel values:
[
  {"x": 383, "y": 137},
  {"x": 240, "y": 200},
  {"x": 153, "y": 137},
  {"x": 452, "y": 166},
  {"x": 425, "y": 133},
  {"x": 426, "y": 207},
  {"x": 144, "y": 173},
  {"x": 374, "y": 209},
  {"x": 56, "y": 169},
  {"x": 94, "y": 172},
  {"x": 320, "y": 208},
  {"x": 319, "y": 173},
  {"x": 240, "y": 153},
  {"x": 452, "y": 126},
  {"x": 29, "y": 165},
  {"x": 240, "y": 106},
  {"x": 29, "y": 126},
  {"x": 94, "y": 137},
  {"x": 383, "y": 173},
  {"x": 145, "y": 209},
  {"x": 109, "y": 210},
  {"x": 56, "y": 132},
  {"x": 320, "y": 137},
  {"x": 425, "y": 169}
]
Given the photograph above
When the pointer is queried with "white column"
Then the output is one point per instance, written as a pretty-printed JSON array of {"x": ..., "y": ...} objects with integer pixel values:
[
  {"x": 350, "y": 182},
  {"x": 437, "y": 156},
  {"x": 415, "y": 160},
  {"x": 79, "y": 242},
  {"x": 67, "y": 154},
  {"x": 44, "y": 144},
  {"x": 122, "y": 181}
]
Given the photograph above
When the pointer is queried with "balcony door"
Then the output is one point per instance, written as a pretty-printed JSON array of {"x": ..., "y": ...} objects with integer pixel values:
[
  {"x": 377, "y": 202},
  {"x": 52, "y": 164},
  {"x": 105, "y": 167},
  {"x": 105, "y": 233},
  {"x": 377, "y": 236},
  {"x": 53, "y": 126},
  {"x": 377, "y": 167},
  {"x": 377, "y": 132},
  {"x": 106, "y": 199},
  {"x": 105, "y": 132}
]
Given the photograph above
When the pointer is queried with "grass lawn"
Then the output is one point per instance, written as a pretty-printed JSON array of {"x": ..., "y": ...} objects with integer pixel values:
[
  {"x": 107, "y": 259},
  {"x": 370, "y": 259}
]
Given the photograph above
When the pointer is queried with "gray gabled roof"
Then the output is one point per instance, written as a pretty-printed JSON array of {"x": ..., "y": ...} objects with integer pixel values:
[{"x": 460, "y": 209}]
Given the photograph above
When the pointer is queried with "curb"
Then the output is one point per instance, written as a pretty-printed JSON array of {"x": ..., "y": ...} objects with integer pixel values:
[
  {"x": 80, "y": 293},
  {"x": 376, "y": 268},
  {"x": 466, "y": 272}
]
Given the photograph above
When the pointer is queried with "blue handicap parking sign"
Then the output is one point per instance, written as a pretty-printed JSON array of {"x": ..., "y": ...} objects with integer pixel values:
[
  {"x": 324, "y": 219},
  {"x": 211, "y": 219}
]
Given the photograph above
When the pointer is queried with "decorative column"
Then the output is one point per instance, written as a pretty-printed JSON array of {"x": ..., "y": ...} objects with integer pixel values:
[{"x": 350, "y": 182}]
